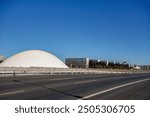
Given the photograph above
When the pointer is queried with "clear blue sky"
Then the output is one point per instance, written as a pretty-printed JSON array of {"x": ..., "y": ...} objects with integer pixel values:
[{"x": 105, "y": 29}]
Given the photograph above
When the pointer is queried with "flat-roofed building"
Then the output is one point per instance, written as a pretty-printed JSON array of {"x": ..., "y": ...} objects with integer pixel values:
[
  {"x": 77, "y": 62},
  {"x": 103, "y": 63},
  {"x": 95, "y": 63},
  {"x": 145, "y": 67},
  {"x": 111, "y": 64}
]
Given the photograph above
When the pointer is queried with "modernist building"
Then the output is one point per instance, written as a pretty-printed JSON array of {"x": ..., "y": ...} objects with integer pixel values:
[
  {"x": 77, "y": 62},
  {"x": 33, "y": 58},
  {"x": 145, "y": 67},
  {"x": 118, "y": 65},
  {"x": 94, "y": 63}
]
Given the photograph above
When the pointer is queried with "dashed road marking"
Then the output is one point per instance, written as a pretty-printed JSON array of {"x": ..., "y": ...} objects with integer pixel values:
[{"x": 81, "y": 82}]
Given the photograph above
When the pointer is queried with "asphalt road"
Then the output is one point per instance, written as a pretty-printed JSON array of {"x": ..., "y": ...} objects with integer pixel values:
[{"x": 74, "y": 87}]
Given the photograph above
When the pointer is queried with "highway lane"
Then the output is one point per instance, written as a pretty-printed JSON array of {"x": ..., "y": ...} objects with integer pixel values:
[
  {"x": 76, "y": 86},
  {"x": 133, "y": 92}
]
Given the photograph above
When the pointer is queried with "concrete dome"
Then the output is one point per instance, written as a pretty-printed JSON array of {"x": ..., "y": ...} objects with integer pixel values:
[
  {"x": 33, "y": 58},
  {"x": 2, "y": 58}
]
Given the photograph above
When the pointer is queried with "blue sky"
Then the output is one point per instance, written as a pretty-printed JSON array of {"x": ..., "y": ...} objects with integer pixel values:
[{"x": 116, "y": 30}]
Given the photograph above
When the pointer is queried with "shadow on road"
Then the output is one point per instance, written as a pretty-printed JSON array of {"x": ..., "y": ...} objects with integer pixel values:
[{"x": 51, "y": 89}]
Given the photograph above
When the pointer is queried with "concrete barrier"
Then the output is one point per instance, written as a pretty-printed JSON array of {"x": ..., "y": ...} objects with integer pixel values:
[{"x": 40, "y": 70}]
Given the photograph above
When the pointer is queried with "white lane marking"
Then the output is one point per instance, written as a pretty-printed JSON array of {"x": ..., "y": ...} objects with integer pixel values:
[
  {"x": 85, "y": 81},
  {"x": 10, "y": 93},
  {"x": 53, "y": 79},
  {"x": 111, "y": 89}
]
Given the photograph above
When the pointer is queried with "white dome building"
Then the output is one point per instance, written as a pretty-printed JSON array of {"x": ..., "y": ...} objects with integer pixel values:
[
  {"x": 2, "y": 58},
  {"x": 33, "y": 58}
]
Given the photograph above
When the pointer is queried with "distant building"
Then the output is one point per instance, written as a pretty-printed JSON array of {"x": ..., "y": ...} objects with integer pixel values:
[
  {"x": 123, "y": 65},
  {"x": 85, "y": 63},
  {"x": 145, "y": 67},
  {"x": 94, "y": 63},
  {"x": 77, "y": 62},
  {"x": 136, "y": 67}
]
